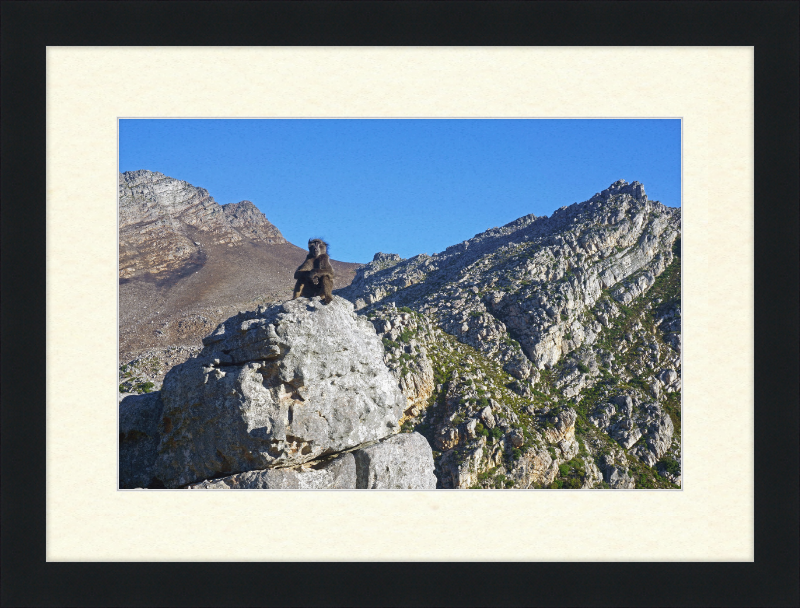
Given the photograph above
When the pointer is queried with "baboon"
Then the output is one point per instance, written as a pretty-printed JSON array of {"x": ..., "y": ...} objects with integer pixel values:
[{"x": 315, "y": 275}]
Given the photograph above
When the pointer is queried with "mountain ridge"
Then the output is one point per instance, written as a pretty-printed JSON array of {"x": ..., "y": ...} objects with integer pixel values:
[{"x": 544, "y": 353}]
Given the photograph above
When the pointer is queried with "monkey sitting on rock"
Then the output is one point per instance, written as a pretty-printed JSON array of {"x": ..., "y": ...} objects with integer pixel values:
[{"x": 315, "y": 275}]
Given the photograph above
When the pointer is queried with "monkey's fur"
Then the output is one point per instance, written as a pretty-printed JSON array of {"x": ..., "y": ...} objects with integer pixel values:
[{"x": 315, "y": 275}]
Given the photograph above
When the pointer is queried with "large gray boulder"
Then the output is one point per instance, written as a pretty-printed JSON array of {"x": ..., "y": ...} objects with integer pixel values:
[{"x": 276, "y": 387}]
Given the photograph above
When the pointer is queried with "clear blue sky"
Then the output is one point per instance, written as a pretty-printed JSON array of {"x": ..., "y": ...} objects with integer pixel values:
[{"x": 404, "y": 186}]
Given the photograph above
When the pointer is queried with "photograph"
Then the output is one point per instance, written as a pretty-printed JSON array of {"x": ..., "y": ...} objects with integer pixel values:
[
  {"x": 399, "y": 304},
  {"x": 428, "y": 249}
]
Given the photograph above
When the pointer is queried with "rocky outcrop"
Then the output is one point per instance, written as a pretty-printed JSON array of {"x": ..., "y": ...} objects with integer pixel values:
[
  {"x": 276, "y": 399},
  {"x": 462, "y": 468},
  {"x": 245, "y": 218},
  {"x": 400, "y": 462},
  {"x": 628, "y": 420},
  {"x": 536, "y": 468},
  {"x": 560, "y": 430},
  {"x": 657, "y": 430},
  {"x": 618, "y": 478},
  {"x": 593, "y": 477},
  {"x": 276, "y": 387}
]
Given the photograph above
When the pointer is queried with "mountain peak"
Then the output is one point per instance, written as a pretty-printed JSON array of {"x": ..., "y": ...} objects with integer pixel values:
[
  {"x": 619, "y": 187},
  {"x": 245, "y": 204},
  {"x": 383, "y": 257},
  {"x": 248, "y": 219}
]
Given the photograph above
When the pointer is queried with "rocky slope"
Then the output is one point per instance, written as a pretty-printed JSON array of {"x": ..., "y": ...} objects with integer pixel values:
[
  {"x": 187, "y": 262},
  {"x": 545, "y": 353}
]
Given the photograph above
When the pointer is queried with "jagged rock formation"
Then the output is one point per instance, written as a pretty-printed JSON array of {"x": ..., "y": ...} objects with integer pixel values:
[
  {"x": 187, "y": 262},
  {"x": 277, "y": 388},
  {"x": 473, "y": 418},
  {"x": 534, "y": 332}
]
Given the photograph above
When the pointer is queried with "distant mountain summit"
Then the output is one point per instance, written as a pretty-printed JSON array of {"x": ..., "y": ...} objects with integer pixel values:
[
  {"x": 245, "y": 217},
  {"x": 621, "y": 187}
]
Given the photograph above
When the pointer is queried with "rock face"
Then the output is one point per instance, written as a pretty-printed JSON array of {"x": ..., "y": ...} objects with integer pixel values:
[
  {"x": 245, "y": 218},
  {"x": 534, "y": 277},
  {"x": 277, "y": 387},
  {"x": 407, "y": 357},
  {"x": 560, "y": 430},
  {"x": 537, "y": 468},
  {"x": 291, "y": 396}
]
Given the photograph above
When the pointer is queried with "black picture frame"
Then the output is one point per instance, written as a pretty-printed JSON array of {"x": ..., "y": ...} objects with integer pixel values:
[{"x": 771, "y": 27}]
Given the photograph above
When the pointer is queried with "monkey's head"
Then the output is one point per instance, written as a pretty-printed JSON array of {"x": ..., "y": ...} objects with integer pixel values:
[{"x": 317, "y": 247}]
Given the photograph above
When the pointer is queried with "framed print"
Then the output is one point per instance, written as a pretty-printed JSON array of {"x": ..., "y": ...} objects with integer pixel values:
[{"x": 733, "y": 156}]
